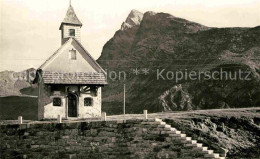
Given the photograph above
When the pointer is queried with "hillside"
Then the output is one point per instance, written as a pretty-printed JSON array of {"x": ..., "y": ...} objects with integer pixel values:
[
  {"x": 160, "y": 41},
  {"x": 17, "y": 83}
]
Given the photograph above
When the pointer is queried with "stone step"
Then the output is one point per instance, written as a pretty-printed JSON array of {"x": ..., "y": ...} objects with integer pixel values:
[
  {"x": 188, "y": 141},
  {"x": 159, "y": 123},
  {"x": 179, "y": 135},
  {"x": 209, "y": 151},
  {"x": 202, "y": 149},
  {"x": 167, "y": 126},
  {"x": 199, "y": 145},
  {"x": 157, "y": 119},
  {"x": 194, "y": 145},
  {"x": 191, "y": 141},
  {"x": 167, "y": 129},
  {"x": 183, "y": 138},
  {"x": 213, "y": 155},
  {"x": 172, "y": 130},
  {"x": 206, "y": 151},
  {"x": 176, "y": 132},
  {"x": 162, "y": 123}
]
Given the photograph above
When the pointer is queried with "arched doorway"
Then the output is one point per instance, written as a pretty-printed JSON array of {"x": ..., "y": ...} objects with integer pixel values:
[{"x": 72, "y": 105}]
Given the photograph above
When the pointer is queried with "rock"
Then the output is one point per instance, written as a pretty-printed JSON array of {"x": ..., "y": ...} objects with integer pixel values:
[
  {"x": 134, "y": 18},
  {"x": 179, "y": 100}
]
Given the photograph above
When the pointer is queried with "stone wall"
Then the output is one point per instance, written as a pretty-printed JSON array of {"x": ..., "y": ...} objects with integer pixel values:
[{"x": 101, "y": 139}]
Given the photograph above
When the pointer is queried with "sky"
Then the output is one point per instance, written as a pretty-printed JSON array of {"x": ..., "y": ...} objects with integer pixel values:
[{"x": 29, "y": 29}]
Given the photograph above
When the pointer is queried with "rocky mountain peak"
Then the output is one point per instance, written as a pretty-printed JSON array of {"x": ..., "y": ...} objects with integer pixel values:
[{"x": 134, "y": 18}]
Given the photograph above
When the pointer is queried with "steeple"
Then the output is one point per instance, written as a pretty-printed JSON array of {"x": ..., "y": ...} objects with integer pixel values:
[{"x": 70, "y": 26}]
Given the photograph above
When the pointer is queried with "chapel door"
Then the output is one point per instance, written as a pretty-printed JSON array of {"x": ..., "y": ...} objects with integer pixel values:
[{"x": 72, "y": 105}]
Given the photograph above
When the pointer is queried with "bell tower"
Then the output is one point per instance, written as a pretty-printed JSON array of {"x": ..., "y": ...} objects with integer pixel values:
[{"x": 70, "y": 26}]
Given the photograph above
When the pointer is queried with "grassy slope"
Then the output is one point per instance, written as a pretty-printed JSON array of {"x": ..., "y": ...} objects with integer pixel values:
[{"x": 13, "y": 106}]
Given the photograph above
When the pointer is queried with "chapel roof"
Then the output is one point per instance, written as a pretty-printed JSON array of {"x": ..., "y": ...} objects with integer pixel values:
[{"x": 74, "y": 78}]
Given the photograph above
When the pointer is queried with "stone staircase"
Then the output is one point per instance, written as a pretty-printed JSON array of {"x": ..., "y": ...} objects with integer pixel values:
[{"x": 191, "y": 146}]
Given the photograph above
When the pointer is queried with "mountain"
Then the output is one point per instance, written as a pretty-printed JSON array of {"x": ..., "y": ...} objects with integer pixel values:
[
  {"x": 160, "y": 42},
  {"x": 18, "y": 96},
  {"x": 16, "y": 83},
  {"x": 134, "y": 18}
]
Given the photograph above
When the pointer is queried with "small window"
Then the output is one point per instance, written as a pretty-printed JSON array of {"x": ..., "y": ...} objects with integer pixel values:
[
  {"x": 88, "y": 101},
  {"x": 56, "y": 101},
  {"x": 73, "y": 54},
  {"x": 72, "y": 32}
]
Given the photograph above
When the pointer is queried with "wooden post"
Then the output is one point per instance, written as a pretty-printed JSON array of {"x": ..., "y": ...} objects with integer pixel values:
[
  {"x": 59, "y": 119},
  {"x": 124, "y": 100},
  {"x": 20, "y": 119},
  {"x": 145, "y": 114},
  {"x": 104, "y": 116}
]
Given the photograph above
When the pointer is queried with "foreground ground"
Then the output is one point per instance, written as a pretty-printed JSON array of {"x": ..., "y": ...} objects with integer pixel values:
[{"x": 236, "y": 130}]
